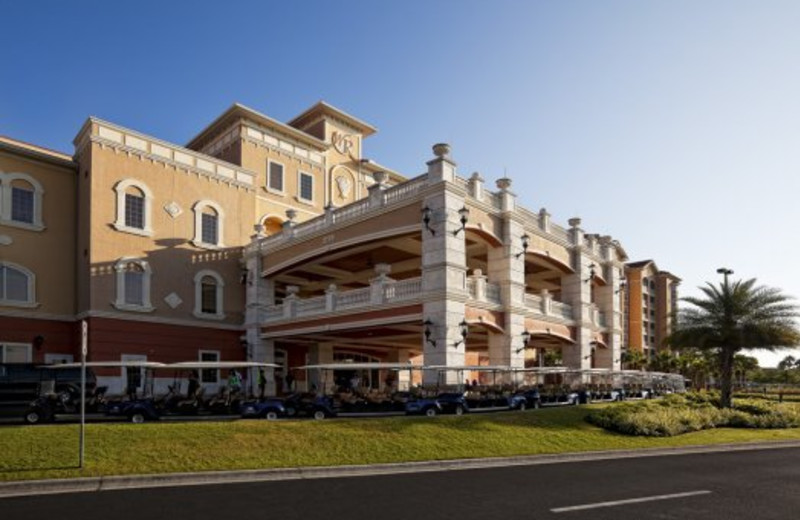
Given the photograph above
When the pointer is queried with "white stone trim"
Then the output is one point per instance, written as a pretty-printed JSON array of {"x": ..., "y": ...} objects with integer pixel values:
[
  {"x": 198, "y": 207},
  {"x": 30, "y": 303},
  {"x": 120, "y": 303},
  {"x": 5, "y": 201},
  {"x": 198, "y": 295},
  {"x": 119, "y": 223}
]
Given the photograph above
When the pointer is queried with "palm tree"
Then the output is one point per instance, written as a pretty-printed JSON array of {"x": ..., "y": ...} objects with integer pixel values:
[
  {"x": 663, "y": 362},
  {"x": 787, "y": 363},
  {"x": 733, "y": 317},
  {"x": 633, "y": 359},
  {"x": 742, "y": 365}
]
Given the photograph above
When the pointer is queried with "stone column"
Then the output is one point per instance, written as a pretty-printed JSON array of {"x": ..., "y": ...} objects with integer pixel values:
[
  {"x": 259, "y": 292},
  {"x": 577, "y": 291},
  {"x": 506, "y": 266},
  {"x": 444, "y": 268},
  {"x": 319, "y": 354},
  {"x": 608, "y": 302}
]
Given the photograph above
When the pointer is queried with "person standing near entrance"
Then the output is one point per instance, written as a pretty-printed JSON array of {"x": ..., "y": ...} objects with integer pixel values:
[{"x": 262, "y": 383}]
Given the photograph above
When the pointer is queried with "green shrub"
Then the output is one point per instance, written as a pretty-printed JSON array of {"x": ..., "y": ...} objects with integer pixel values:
[{"x": 677, "y": 414}]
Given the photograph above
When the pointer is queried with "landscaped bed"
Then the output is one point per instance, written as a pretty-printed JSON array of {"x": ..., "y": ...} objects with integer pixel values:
[
  {"x": 679, "y": 414},
  {"x": 51, "y": 451}
]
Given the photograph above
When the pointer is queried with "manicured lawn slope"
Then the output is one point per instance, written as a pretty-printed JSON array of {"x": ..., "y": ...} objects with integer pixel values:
[{"x": 51, "y": 451}]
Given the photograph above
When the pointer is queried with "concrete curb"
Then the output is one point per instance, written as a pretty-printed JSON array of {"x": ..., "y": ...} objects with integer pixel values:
[{"x": 122, "y": 482}]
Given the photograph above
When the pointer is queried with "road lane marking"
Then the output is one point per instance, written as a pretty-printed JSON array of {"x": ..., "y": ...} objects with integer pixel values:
[{"x": 629, "y": 501}]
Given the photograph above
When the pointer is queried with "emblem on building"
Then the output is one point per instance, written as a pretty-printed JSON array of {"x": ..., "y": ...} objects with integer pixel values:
[
  {"x": 342, "y": 142},
  {"x": 343, "y": 184},
  {"x": 173, "y": 209}
]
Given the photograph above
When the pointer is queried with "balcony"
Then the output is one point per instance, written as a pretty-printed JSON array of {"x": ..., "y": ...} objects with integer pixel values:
[{"x": 382, "y": 291}]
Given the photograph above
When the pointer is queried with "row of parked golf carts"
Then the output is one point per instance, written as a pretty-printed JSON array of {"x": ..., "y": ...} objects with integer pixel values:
[{"x": 493, "y": 388}]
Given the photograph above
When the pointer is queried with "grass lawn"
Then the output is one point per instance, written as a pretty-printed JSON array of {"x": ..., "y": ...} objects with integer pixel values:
[{"x": 121, "y": 448}]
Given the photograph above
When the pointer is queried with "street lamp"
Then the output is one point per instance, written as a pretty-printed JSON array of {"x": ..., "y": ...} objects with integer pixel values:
[{"x": 724, "y": 271}]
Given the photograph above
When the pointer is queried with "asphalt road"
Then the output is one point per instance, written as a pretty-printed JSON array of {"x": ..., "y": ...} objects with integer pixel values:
[{"x": 763, "y": 484}]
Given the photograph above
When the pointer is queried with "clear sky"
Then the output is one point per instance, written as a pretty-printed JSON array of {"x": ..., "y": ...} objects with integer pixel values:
[{"x": 672, "y": 125}]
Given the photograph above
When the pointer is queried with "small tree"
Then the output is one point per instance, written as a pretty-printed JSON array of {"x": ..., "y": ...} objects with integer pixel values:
[
  {"x": 633, "y": 359},
  {"x": 732, "y": 317}
]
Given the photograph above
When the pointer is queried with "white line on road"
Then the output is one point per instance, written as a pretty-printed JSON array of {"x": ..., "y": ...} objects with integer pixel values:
[{"x": 629, "y": 501}]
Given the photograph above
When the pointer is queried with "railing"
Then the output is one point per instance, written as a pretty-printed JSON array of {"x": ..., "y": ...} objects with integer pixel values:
[
  {"x": 472, "y": 288},
  {"x": 559, "y": 232},
  {"x": 311, "y": 305},
  {"x": 390, "y": 292},
  {"x": 493, "y": 293},
  {"x": 310, "y": 226},
  {"x": 533, "y": 301},
  {"x": 562, "y": 309},
  {"x": 273, "y": 312},
  {"x": 351, "y": 211},
  {"x": 404, "y": 290},
  {"x": 354, "y": 298},
  {"x": 405, "y": 190}
]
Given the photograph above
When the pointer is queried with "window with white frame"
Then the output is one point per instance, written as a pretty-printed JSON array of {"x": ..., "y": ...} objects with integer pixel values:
[
  {"x": 208, "y": 224},
  {"x": 208, "y": 295},
  {"x": 134, "y": 207},
  {"x": 305, "y": 190},
  {"x": 15, "y": 353},
  {"x": 210, "y": 375},
  {"x": 17, "y": 285},
  {"x": 133, "y": 285},
  {"x": 21, "y": 201},
  {"x": 274, "y": 176}
]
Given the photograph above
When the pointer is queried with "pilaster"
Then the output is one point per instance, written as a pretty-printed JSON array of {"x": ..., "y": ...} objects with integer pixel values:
[{"x": 444, "y": 269}]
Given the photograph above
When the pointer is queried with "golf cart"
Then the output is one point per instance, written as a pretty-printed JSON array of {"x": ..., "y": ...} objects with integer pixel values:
[{"x": 353, "y": 389}]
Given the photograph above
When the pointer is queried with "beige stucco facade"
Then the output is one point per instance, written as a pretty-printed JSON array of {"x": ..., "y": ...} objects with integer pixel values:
[{"x": 283, "y": 242}]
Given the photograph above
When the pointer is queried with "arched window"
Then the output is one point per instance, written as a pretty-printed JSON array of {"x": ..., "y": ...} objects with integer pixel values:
[
  {"x": 272, "y": 225},
  {"x": 134, "y": 207},
  {"x": 208, "y": 295},
  {"x": 17, "y": 285},
  {"x": 21, "y": 201},
  {"x": 133, "y": 285},
  {"x": 208, "y": 224}
]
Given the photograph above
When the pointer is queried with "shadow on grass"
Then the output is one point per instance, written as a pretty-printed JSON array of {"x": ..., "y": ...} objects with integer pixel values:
[{"x": 39, "y": 468}]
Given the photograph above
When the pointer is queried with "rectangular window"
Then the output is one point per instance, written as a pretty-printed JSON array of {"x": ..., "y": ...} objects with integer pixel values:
[
  {"x": 210, "y": 375},
  {"x": 15, "y": 353},
  {"x": 21, "y": 205},
  {"x": 134, "y": 211},
  {"x": 134, "y": 288},
  {"x": 208, "y": 297},
  {"x": 275, "y": 176},
  {"x": 306, "y": 187},
  {"x": 209, "y": 232}
]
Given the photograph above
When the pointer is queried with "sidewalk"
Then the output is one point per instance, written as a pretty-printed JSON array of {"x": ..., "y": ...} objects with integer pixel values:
[{"x": 110, "y": 483}]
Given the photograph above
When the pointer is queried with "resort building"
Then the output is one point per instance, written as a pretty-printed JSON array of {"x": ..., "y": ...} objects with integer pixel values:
[
  {"x": 651, "y": 301},
  {"x": 282, "y": 242}
]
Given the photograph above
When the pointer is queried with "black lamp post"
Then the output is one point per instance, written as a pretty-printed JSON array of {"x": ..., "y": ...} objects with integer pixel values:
[
  {"x": 426, "y": 219},
  {"x": 524, "y": 239},
  {"x": 428, "y": 332}
]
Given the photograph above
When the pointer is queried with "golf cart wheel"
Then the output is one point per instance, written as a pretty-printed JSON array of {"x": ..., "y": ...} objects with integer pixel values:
[
  {"x": 537, "y": 404},
  {"x": 523, "y": 406},
  {"x": 271, "y": 415},
  {"x": 459, "y": 410},
  {"x": 34, "y": 417},
  {"x": 138, "y": 418},
  {"x": 319, "y": 415},
  {"x": 431, "y": 412}
]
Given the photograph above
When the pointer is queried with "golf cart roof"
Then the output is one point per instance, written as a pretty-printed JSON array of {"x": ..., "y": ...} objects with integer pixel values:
[
  {"x": 108, "y": 364},
  {"x": 362, "y": 366},
  {"x": 201, "y": 365},
  {"x": 476, "y": 368},
  {"x": 545, "y": 370}
]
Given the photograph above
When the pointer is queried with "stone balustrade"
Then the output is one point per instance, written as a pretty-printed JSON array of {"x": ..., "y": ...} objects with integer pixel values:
[{"x": 383, "y": 290}]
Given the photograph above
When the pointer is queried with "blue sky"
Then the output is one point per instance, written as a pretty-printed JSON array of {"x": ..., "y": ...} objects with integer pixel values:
[{"x": 671, "y": 125}]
